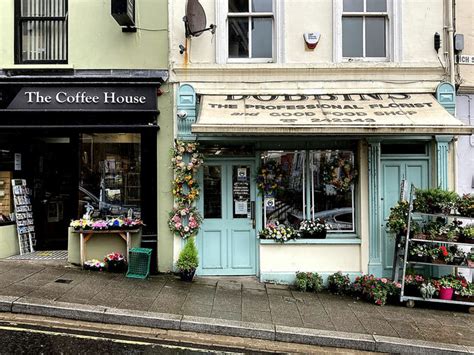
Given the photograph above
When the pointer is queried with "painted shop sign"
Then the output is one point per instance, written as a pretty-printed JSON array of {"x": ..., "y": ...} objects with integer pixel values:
[
  {"x": 78, "y": 98},
  {"x": 310, "y": 110}
]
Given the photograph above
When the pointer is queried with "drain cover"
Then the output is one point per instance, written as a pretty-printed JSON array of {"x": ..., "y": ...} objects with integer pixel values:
[{"x": 63, "y": 281}]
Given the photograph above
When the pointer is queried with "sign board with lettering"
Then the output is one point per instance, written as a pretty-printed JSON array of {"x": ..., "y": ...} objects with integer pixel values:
[
  {"x": 466, "y": 59},
  {"x": 326, "y": 114},
  {"x": 78, "y": 98}
]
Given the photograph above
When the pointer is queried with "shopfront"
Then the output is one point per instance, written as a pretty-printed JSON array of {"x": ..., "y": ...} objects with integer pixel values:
[
  {"x": 79, "y": 147},
  {"x": 306, "y": 141}
]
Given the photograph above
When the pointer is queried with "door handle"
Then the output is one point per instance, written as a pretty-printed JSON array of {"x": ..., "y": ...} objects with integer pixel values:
[{"x": 252, "y": 213}]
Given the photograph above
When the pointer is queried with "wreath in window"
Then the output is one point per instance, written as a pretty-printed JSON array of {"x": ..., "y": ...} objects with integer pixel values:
[
  {"x": 340, "y": 173},
  {"x": 270, "y": 178},
  {"x": 184, "y": 219}
]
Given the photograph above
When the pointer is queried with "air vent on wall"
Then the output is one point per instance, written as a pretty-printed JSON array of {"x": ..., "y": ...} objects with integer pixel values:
[{"x": 123, "y": 11}]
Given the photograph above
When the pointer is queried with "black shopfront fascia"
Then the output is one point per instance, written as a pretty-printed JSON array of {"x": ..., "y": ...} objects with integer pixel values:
[{"x": 27, "y": 110}]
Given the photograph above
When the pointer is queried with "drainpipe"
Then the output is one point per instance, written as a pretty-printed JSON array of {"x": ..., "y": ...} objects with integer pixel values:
[{"x": 450, "y": 30}]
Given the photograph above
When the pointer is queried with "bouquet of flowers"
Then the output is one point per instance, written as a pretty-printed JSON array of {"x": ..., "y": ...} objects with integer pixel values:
[
  {"x": 279, "y": 232},
  {"x": 313, "y": 228},
  {"x": 115, "y": 262},
  {"x": 94, "y": 265},
  {"x": 340, "y": 173}
]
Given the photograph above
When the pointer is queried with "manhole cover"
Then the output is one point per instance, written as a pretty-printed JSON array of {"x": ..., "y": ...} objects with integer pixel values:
[{"x": 63, "y": 281}]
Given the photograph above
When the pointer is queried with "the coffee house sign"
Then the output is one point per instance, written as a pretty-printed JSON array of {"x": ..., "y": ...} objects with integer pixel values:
[{"x": 78, "y": 98}]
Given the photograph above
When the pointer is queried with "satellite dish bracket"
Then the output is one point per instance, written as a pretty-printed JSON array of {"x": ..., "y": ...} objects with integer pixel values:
[{"x": 189, "y": 33}]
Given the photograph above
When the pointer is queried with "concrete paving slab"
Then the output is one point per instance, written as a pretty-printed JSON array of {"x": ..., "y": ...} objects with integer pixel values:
[
  {"x": 58, "y": 309},
  {"x": 196, "y": 309},
  {"x": 141, "y": 318},
  {"x": 325, "y": 338},
  {"x": 226, "y": 315},
  {"x": 397, "y": 345},
  {"x": 137, "y": 303},
  {"x": 228, "y": 327},
  {"x": 257, "y": 316}
]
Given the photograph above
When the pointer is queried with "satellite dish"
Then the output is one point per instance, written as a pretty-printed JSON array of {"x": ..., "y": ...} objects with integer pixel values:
[{"x": 195, "y": 20}]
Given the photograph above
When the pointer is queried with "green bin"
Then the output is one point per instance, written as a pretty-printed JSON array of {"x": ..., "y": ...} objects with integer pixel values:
[{"x": 139, "y": 263}]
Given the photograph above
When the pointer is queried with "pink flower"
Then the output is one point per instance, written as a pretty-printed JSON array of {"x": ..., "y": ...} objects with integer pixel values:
[
  {"x": 384, "y": 280},
  {"x": 177, "y": 225}
]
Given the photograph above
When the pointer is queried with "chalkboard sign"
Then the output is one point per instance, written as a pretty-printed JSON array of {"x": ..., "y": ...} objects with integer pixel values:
[{"x": 24, "y": 216}]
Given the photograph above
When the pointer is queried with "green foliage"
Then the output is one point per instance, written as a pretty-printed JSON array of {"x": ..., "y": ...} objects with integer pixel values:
[
  {"x": 188, "y": 257},
  {"x": 435, "y": 201},
  {"x": 468, "y": 231},
  {"x": 465, "y": 205},
  {"x": 338, "y": 283},
  {"x": 309, "y": 281}
]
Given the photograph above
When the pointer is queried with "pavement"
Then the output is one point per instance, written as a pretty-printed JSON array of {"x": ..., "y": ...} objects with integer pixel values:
[{"x": 241, "y": 307}]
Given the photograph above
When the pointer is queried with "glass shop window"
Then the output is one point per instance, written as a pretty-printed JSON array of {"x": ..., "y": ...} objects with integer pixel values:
[
  {"x": 299, "y": 185},
  {"x": 110, "y": 168}
]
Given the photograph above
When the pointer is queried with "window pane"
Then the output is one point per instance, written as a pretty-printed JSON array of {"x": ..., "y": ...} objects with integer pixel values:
[
  {"x": 241, "y": 191},
  {"x": 212, "y": 192},
  {"x": 375, "y": 36},
  {"x": 285, "y": 180},
  {"x": 352, "y": 37},
  {"x": 262, "y": 37},
  {"x": 329, "y": 202},
  {"x": 376, "y": 5},
  {"x": 353, "y": 6},
  {"x": 110, "y": 173},
  {"x": 262, "y": 6},
  {"x": 238, "y": 5},
  {"x": 238, "y": 38}
]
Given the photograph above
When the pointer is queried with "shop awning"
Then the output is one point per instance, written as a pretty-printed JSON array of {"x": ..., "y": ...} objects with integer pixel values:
[{"x": 348, "y": 114}]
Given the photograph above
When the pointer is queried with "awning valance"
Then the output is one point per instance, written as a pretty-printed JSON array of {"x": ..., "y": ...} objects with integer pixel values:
[{"x": 357, "y": 114}]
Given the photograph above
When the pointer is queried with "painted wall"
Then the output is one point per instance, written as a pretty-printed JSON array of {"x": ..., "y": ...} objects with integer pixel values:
[
  {"x": 465, "y": 145},
  {"x": 8, "y": 241},
  {"x": 96, "y": 40},
  {"x": 464, "y": 25},
  {"x": 301, "y": 70}
]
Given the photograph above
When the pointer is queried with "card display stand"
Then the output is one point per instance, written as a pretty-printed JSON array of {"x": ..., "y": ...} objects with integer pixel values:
[{"x": 24, "y": 216}]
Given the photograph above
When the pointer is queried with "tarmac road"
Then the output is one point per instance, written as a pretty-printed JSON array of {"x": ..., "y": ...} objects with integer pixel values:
[{"x": 26, "y": 334}]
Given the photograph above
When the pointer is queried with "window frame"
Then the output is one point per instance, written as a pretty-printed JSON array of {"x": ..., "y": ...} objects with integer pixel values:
[
  {"x": 19, "y": 37},
  {"x": 222, "y": 44},
  {"x": 392, "y": 27}
]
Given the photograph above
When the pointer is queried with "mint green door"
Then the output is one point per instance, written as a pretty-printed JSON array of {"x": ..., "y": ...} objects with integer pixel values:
[
  {"x": 227, "y": 239},
  {"x": 415, "y": 171}
]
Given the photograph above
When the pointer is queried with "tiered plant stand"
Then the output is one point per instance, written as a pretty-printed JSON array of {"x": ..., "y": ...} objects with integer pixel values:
[{"x": 412, "y": 299}]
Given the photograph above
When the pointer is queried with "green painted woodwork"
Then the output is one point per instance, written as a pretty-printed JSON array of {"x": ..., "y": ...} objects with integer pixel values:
[
  {"x": 442, "y": 151},
  {"x": 375, "y": 264},
  {"x": 186, "y": 100},
  {"x": 227, "y": 245}
]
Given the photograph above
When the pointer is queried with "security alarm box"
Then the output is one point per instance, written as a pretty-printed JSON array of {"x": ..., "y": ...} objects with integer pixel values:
[{"x": 311, "y": 39}]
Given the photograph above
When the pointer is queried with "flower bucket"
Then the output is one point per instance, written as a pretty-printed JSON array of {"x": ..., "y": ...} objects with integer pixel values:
[{"x": 446, "y": 293}]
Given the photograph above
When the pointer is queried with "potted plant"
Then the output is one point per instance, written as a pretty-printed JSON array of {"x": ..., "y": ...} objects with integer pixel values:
[
  {"x": 279, "y": 232},
  {"x": 458, "y": 256},
  {"x": 309, "y": 281},
  {"x": 419, "y": 252},
  {"x": 467, "y": 234},
  {"x": 427, "y": 290},
  {"x": 470, "y": 260},
  {"x": 188, "y": 261},
  {"x": 447, "y": 285},
  {"x": 313, "y": 228},
  {"x": 435, "y": 201},
  {"x": 338, "y": 283},
  {"x": 465, "y": 205},
  {"x": 413, "y": 284},
  {"x": 115, "y": 262},
  {"x": 466, "y": 293}
]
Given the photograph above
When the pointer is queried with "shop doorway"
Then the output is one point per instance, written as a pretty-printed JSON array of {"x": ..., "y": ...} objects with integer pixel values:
[
  {"x": 227, "y": 239},
  {"x": 394, "y": 170}
]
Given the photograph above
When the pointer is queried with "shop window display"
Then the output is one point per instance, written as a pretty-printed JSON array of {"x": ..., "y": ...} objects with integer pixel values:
[
  {"x": 322, "y": 179},
  {"x": 110, "y": 174}
]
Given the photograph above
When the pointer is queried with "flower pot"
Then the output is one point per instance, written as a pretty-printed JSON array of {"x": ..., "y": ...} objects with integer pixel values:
[
  {"x": 457, "y": 260},
  {"x": 411, "y": 290},
  {"x": 187, "y": 275},
  {"x": 420, "y": 259},
  {"x": 439, "y": 261},
  {"x": 116, "y": 266},
  {"x": 446, "y": 293}
]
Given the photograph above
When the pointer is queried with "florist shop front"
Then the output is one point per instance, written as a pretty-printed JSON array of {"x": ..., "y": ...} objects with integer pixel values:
[
  {"x": 305, "y": 182},
  {"x": 76, "y": 146}
]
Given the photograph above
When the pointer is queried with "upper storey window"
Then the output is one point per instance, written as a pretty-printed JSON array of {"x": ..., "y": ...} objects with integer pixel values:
[
  {"x": 367, "y": 30},
  {"x": 41, "y": 31},
  {"x": 364, "y": 28}
]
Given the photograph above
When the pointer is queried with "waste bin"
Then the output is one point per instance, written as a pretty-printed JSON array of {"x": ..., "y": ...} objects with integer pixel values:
[{"x": 150, "y": 241}]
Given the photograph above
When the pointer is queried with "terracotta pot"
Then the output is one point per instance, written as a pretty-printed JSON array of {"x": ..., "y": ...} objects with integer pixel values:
[{"x": 446, "y": 293}]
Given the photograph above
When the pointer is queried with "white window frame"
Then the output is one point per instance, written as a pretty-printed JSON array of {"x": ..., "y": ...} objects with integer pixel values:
[
  {"x": 222, "y": 45},
  {"x": 393, "y": 30}
]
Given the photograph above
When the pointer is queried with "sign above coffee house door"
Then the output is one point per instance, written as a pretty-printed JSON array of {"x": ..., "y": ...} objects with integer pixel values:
[{"x": 78, "y": 98}]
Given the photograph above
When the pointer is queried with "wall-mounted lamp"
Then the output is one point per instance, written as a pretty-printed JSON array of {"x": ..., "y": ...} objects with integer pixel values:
[{"x": 437, "y": 41}]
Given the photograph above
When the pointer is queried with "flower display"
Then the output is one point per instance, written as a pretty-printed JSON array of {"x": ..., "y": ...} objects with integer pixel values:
[
  {"x": 108, "y": 224},
  {"x": 313, "y": 228},
  {"x": 270, "y": 178},
  {"x": 278, "y": 232},
  {"x": 185, "y": 222},
  {"x": 115, "y": 262},
  {"x": 114, "y": 257},
  {"x": 376, "y": 289},
  {"x": 465, "y": 205},
  {"x": 340, "y": 173},
  {"x": 94, "y": 265}
]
